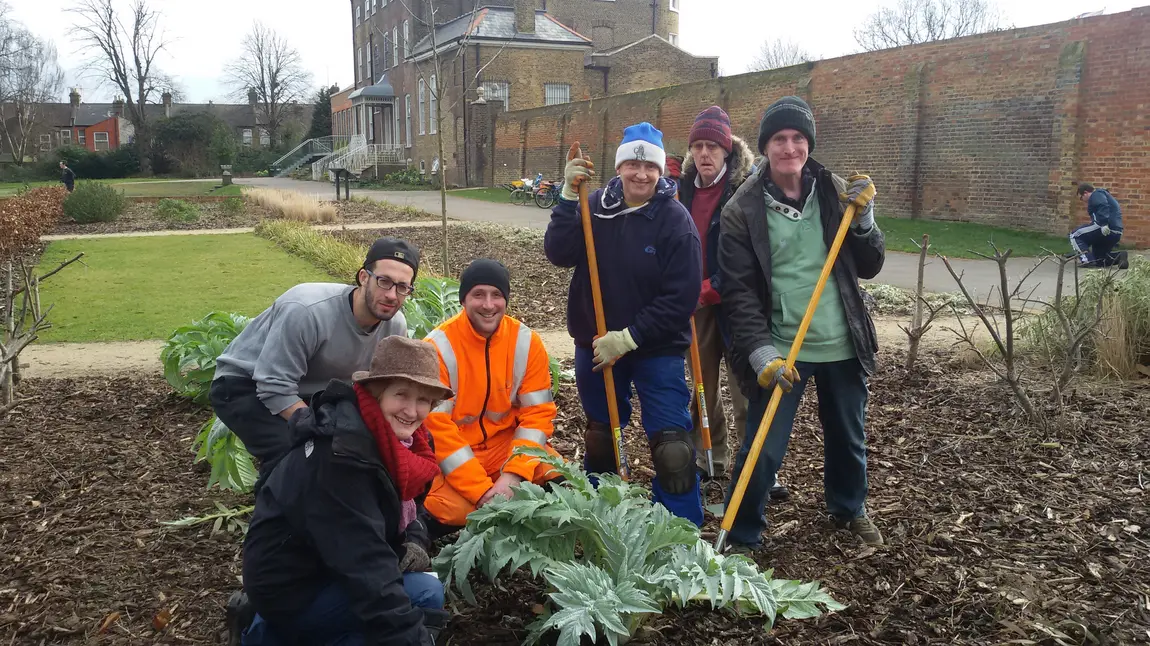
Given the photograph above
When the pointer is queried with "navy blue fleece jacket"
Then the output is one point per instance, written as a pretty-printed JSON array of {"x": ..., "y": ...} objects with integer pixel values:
[{"x": 649, "y": 267}]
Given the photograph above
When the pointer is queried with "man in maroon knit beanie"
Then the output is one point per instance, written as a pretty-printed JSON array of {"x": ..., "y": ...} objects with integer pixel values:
[{"x": 717, "y": 165}]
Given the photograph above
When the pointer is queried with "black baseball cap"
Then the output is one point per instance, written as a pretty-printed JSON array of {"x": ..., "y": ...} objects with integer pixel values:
[{"x": 389, "y": 248}]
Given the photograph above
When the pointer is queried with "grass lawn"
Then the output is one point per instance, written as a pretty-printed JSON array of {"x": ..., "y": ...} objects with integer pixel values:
[
  {"x": 957, "y": 239},
  {"x": 139, "y": 187},
  {"x": 489, "y": 194},
  {"x": 143, "y": 288}
]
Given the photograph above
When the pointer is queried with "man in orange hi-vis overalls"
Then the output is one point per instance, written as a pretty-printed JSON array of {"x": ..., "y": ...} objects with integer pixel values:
[{"x": 501, "y": 376}]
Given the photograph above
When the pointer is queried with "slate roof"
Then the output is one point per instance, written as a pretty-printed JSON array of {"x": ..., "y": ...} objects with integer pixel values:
[
  {"x": 498, "y": 24},
  {"x": 236, "y": 115}
]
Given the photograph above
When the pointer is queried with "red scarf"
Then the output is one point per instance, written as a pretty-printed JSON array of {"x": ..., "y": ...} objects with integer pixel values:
[{"x": 411, "y": 469}]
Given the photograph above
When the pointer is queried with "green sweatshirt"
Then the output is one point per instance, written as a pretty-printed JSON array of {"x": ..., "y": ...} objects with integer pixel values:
[{"x": 798, "y": 252}]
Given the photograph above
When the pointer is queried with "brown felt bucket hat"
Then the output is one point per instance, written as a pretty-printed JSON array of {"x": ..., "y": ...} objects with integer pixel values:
[{"x": 398, "y": 357}]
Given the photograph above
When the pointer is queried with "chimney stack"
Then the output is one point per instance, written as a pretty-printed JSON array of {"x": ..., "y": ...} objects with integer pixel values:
[
  {"x": 118, "y": 106},
  {"x": 525, "y": 16},
  {"x": 252, "y": 97},
  {"x": 74, "y": 100},
  {"x": 167, "y": 98}
]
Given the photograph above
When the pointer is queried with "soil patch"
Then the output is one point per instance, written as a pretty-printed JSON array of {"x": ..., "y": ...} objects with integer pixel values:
[
  {"x": 996, "y": 532},
  {"x": 141, "y": 216},
  {"x": 538, "y": 288}
]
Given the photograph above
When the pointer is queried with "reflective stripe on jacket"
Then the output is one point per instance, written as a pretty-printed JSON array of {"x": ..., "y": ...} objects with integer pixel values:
[{"x": 502, "y": 386}]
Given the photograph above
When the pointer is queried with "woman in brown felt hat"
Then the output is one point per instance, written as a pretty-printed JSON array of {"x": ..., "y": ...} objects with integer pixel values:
[{"x": 337, "y": 549}]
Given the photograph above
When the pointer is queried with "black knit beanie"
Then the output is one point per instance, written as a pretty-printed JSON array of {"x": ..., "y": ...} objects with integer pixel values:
[
  {"x": 485, "y": 271},
  {"x": 787, "y": 112}
]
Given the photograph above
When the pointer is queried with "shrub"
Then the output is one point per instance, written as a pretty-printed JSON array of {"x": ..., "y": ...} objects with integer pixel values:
[
  {"x": 94, "y": 202},
  {"x": 1123, "y": 339},
  {"x": 612, "y": 559},
  {"x": 294, "y": 206},
  {"x": 189, "y": 359},
  {"x": 121, "y": 162},
  {"x": 170, "y": 210},
  {"x": 27, "y": 216},
  {"x": 338, "y": 258},
  {"x": 252, "y": 160},
  {"x": 233, "y": 206}
]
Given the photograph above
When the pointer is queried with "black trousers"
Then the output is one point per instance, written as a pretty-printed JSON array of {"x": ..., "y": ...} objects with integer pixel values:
[{"x": 266, "y": 436}]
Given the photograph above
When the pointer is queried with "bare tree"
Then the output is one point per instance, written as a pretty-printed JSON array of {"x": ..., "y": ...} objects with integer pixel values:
[
  {"x": 273, "y": 70},
  {"x": 29, "y": 78},
  {"x": 920, "y": 21},
  {"x": 918, "y": 326},
  {"x": 123, "y": 54},
  {"x": 432, "y": 74},
  {"x": 778, "y": 53}
]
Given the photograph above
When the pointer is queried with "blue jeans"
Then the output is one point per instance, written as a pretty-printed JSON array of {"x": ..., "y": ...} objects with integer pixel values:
[
  {"x": 665, "y": 402},
  {"x": 329, "y": 620},
  {"x": 842, "y": 391}
]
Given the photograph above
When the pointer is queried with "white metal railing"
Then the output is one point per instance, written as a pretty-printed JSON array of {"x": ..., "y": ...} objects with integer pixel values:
[
  {"x": 308, "y": 150},
  {"x": 319, "y": 167},
  {"x": 356, "y": 160}
]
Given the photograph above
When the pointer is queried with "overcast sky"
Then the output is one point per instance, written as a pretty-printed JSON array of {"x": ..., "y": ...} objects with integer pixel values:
[{"x": 205, "y": 33}]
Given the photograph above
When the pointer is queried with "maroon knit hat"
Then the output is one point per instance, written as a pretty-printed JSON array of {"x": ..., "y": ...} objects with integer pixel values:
[{"x": 712, "y": 124}]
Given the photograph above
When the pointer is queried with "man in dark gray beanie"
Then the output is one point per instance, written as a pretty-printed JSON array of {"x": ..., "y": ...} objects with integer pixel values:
[{"x": 789, "y": 211}]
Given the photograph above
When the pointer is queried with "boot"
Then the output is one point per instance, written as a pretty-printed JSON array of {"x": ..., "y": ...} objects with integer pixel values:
[
  {"x": 435, "y": 621},
  {"x": 239, "y": 615}
]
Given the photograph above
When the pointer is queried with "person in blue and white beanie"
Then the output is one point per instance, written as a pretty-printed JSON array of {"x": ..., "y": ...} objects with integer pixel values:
[{"x": 649, "y": 266}]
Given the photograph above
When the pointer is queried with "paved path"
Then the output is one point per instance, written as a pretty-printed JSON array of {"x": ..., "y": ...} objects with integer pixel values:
[
  {"x": 353, "y": 226},
  {"x": 458, "y": 208}
]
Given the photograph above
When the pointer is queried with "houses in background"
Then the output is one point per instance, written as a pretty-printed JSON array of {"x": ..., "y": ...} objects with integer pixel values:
[{"x": 105, "y": 126}]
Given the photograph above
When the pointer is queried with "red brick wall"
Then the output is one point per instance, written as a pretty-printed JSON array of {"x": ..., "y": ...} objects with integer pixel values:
[{"x": 995, "y": 128}]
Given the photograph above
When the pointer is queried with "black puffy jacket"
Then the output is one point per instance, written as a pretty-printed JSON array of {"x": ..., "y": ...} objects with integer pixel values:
[{"x": 329, "y": 512}]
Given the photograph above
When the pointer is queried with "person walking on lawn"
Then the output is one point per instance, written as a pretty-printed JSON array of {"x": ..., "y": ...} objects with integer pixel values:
[
  {"x": 337, "y": 551},
  {"x": 776, "y": 232},
  {"x": 501, "y": 374},
  {"x": 68, "y": 177},
  {"x": 313, "y": 333},
  {"x": 1094, "y": 242},
  {"x": 649, "y": 261}
]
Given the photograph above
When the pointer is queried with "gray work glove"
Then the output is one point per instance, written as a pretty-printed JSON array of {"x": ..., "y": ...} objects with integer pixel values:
[
  {"x": 575, "y": 173},
  {"x": 1106, "y": 229},
  {"x": 771, "y": 368},
  {"x": 415, "y": 560},
  {"x": 864, "y": 217}
]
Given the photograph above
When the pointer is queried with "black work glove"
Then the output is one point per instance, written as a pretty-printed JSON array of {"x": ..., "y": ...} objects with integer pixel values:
[
  {"x": 415, "y": 560},
  {"x": 435, "y": 620}
]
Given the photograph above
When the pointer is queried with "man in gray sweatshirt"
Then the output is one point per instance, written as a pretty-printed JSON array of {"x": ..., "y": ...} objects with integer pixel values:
[{"x": 313, "y": 333}]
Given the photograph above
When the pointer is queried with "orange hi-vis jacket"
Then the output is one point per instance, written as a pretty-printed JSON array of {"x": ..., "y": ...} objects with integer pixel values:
[{"x": 502, "y": 400}]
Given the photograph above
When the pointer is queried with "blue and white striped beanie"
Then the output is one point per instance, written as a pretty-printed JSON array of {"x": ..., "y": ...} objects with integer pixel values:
[{"x": 642, "y": 142}]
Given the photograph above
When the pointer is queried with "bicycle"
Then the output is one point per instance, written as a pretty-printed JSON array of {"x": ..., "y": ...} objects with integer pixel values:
[{"x": 548, "y": 194}]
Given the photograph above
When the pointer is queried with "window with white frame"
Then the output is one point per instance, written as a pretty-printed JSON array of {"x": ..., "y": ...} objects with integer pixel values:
[
  {"x": 673, "y": 5},
  {"x": 366, "y": 10},
  {"x": 407, "y": 118},
  {"x": 80, "y": 139},
  {"x": 433, "y": 111},
  {"x": 406, "y": 38},
  {"x": 374, "y": 6},
  {"x": 556, "y": 93},
  {"x": 394, "y": 46},
  {"x": 358, "y": 18},
  {"x": 100, "y": 140},
  {"x": 422, "y": 167},
  {"x": 359, "y": 63},
  {"x": 422, "y": 100},
  {"x": 265, "y": 137},
  {"x": 673, "y": 39},
  {"x": 247, "y": 137},
  {"x": 65, "y": 137},
  {"x": 45, "y": 142}
]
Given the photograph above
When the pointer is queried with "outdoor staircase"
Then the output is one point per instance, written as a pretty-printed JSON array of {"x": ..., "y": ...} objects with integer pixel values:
[
  {"x": 311, "y": 151},
  {"x": 357, "y": 158}
]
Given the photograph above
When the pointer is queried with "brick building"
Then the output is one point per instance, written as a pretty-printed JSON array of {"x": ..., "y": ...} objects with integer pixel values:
[
  {"x": 104, "y": 126},
  {"x": 521, "y": 53},
  {"x": 995, "y": 128}
]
